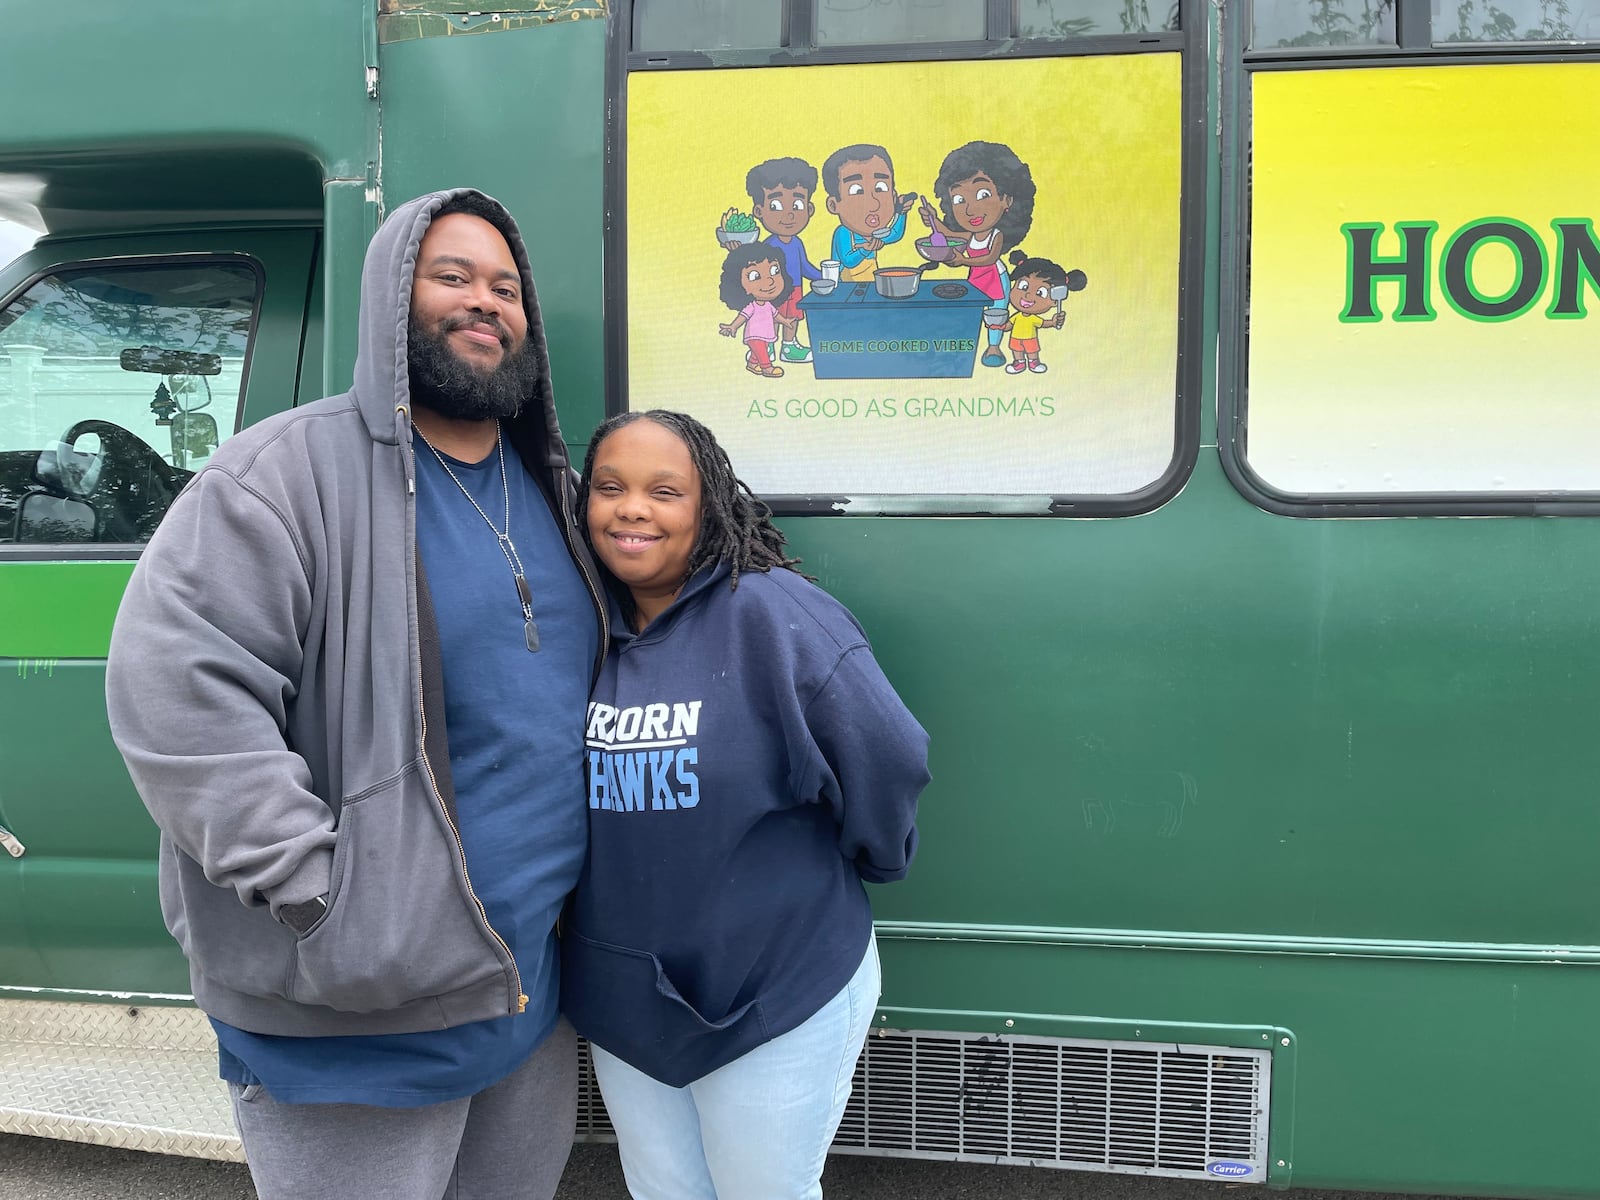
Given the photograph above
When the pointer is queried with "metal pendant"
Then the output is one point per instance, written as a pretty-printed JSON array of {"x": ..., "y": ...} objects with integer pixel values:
[{"x": 533, "y": 635}]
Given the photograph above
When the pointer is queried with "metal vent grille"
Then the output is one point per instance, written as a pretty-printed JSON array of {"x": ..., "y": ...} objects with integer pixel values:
[
  {"x": 1187, "y": 1111},
  {"x": 1193, "y": 1112},
  {"x": 593, "y": 1123}
]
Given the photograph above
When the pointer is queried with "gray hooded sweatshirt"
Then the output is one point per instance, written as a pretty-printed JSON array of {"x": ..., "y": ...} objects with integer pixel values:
[{"x": 274, "y": 686}]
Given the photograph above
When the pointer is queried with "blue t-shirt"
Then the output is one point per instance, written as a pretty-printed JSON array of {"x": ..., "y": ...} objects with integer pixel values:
[
  {"x": 515, "y": 729},
  {"x": 794, "y": 259}
]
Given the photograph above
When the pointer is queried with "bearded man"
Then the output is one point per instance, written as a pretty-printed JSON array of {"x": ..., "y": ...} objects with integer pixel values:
[{"x": 348, "y": 678}]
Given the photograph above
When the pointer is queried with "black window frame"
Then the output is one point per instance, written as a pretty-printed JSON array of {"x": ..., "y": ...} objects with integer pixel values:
[
  {"x": 800, "y": 49},
  {"x": 1240, "y": 66}
]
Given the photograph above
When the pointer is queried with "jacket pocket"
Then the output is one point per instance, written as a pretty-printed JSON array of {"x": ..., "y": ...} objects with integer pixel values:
[
  {"x": 238, "y": 946},
  {"x": 401, "y": 925},
  {"x": 624, "y": 1001}
]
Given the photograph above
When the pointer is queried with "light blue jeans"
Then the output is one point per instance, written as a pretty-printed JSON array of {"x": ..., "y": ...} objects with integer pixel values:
[{"x": 756, "y": 1129}]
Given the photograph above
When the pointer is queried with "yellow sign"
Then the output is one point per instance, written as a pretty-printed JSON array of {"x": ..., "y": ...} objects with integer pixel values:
[
  {"x": 912, "y": 278},
  {"x": 1424, "y": 307}
]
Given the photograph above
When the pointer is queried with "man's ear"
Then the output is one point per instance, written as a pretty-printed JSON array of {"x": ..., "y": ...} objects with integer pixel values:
[{"x": 833, "y": 206}]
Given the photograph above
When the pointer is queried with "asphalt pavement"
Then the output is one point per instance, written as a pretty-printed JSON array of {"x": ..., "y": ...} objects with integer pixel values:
[{"x": 38, "y": 1169}]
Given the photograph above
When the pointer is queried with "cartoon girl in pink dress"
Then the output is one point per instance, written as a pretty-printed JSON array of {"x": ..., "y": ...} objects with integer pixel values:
[{"x": 754, "y": 278}]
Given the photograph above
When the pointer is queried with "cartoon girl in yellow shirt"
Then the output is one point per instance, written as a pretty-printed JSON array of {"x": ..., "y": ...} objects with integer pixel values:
[{"x": 1031, "y": 282}]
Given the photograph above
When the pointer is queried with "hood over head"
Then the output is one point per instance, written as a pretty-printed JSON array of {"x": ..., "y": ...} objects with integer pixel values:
[{"x": 382, "y": 377}]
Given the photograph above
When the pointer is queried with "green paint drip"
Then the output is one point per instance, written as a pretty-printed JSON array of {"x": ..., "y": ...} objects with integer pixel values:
[{"x": 33, "y": 666}]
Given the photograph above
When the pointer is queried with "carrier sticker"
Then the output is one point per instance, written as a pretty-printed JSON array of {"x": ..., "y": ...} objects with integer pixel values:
[{"x": 1229, "y": 1169}]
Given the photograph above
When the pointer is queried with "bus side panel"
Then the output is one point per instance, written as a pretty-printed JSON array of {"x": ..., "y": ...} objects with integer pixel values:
[
  {"x": 519, "y": 114},
  {"x": 1211, "y": 727},
  {"x": 109, "y": 77},
  {"x": 1214, "y": 719},
  {"x": 1450, "y": 1078}
]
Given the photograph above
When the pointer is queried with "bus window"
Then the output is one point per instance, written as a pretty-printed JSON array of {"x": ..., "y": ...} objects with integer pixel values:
[
  {"x": 1422, "y": 326},
  {"x": 708, "y": 25},
  {"x": 116, "y": 385},
  {"x": 956, "y": 330},
  {"x": 1299, "y": 23},
  {"x": 879, "y": 22},
  {"x": 1515, "y": 21},
  {"x": 1094, "y": 18}
]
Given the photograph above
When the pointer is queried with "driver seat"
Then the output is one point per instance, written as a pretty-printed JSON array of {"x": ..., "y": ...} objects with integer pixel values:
[{"x": 43, "y": 519}]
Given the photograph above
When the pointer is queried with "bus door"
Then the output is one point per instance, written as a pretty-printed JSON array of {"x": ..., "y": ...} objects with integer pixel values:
[{"x": 124, "y": 362}]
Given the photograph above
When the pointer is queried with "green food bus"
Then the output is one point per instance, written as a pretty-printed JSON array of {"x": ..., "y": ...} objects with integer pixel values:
[{"x": 1198, "y": 405}]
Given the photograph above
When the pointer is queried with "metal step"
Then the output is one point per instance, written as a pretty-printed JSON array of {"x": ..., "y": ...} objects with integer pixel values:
[{"x": 140, "y": 1078}]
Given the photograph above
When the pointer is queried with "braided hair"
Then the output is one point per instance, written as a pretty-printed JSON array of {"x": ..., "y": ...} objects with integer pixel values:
[{"x": 735, "y": 526}]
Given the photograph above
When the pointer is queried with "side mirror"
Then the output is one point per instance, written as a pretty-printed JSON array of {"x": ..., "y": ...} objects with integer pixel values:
[{"x": 194, "y": 435}]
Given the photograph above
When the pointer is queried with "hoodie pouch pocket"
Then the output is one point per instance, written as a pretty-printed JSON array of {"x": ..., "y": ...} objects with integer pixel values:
[
  {"x": 400, "y": 925},
  {"x": 624, "y": 1001}
]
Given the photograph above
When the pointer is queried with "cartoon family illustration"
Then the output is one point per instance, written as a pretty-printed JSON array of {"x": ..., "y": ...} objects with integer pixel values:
[{"x": 985, "y": 197}]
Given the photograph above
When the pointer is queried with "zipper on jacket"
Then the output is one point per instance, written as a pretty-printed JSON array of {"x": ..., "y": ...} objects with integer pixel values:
[
  {"x": 438, "y": 796},
  {"x": 461, "y": 850},
  {"x": 9, "y": 841}
]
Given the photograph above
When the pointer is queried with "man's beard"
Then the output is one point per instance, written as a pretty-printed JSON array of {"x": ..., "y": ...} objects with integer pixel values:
[{"x": 451, "y": 386}]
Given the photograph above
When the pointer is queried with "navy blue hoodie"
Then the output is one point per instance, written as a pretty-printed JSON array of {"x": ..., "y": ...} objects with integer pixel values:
[{"x": 748, "y": 765}]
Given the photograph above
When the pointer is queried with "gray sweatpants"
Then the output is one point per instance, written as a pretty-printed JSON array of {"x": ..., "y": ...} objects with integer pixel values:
[{"x": 507, "y": 1142}]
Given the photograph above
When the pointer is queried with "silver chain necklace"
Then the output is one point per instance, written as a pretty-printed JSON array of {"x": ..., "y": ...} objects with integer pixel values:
[{"x": 503, "y": 538}]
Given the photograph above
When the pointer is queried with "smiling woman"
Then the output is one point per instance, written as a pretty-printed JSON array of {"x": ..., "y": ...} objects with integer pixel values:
[{"x": 720, "y": 954}]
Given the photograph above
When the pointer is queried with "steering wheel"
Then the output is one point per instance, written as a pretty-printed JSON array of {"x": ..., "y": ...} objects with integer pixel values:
[
  {"x": 118, "y": 480},
  {"x": 118, "y": 447}
]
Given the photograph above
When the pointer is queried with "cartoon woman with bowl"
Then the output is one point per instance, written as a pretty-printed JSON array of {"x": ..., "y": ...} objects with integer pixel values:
[
  {"x": 986, "y": 195},
  {"x": 754, "y": 278}
]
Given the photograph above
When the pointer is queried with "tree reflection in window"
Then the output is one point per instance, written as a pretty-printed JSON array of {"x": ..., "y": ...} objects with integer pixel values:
[
  {"x": 1516, "y": 21},
  {"x": 1304, "y": 23},
  {"x": 1095, "y": 18}
]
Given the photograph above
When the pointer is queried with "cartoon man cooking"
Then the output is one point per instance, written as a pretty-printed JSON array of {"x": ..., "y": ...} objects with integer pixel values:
[{"x": 860, "y": 184}]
